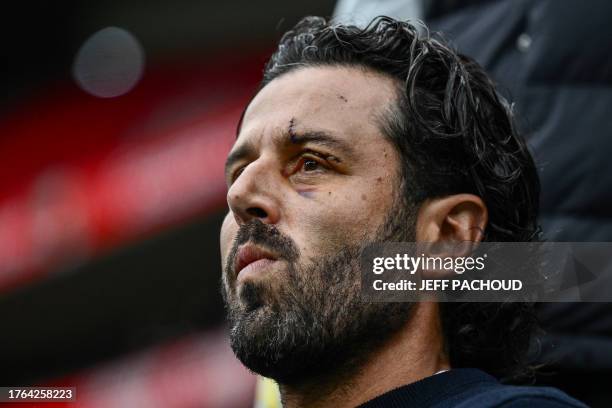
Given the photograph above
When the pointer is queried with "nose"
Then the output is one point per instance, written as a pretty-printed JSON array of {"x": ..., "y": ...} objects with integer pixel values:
[{"x": 254, "y": 194}]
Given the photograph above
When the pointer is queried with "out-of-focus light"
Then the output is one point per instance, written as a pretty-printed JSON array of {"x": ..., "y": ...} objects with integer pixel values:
[{"x": 109, "y": 63}]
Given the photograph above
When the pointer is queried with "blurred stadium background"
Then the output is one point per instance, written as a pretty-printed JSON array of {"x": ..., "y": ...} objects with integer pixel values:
[{"x": 115, "y": 120}]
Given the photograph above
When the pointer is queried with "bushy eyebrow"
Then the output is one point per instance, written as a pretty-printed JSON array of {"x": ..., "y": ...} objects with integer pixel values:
[{"x": 319, "y": 137}]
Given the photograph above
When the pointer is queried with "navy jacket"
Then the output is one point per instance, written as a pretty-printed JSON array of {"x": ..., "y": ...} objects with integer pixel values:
[{"x": 469, "y": 388}]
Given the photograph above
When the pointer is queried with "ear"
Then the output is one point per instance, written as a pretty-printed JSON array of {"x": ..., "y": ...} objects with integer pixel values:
[{"x": 455, "y": 218}]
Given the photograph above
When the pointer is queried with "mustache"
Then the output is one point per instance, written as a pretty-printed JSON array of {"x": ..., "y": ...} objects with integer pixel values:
[{"x": 266, "y": 236}]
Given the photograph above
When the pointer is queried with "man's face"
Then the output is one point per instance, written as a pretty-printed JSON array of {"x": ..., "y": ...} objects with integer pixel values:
[{"x": 312, "y": 180}]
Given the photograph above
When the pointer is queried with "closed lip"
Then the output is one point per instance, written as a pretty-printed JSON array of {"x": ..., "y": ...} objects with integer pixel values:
[{"x": 248, "y": 254}]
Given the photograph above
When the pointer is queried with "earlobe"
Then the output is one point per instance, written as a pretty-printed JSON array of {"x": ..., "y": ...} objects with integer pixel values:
[{"x": 455, "y": 218}]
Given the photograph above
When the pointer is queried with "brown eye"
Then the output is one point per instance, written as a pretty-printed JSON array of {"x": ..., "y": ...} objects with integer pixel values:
[{"x": 310, "y": 165}]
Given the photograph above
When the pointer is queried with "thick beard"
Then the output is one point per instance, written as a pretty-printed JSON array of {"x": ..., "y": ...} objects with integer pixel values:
[{"x": 315, "y": 325}]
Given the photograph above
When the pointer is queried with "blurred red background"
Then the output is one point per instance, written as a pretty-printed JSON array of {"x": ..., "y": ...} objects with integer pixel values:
[{"x": 110, "y": 207}]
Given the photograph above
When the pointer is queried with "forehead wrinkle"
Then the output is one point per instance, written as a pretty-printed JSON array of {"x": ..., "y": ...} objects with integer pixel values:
[{"x": 286, "y": 97}]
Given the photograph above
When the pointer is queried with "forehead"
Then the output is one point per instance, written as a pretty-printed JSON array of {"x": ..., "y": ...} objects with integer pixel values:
[{"x": 345, "y": 101}]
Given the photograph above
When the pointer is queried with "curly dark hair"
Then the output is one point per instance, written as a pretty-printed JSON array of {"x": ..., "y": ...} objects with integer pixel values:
[{"x": 456, "y": 134}]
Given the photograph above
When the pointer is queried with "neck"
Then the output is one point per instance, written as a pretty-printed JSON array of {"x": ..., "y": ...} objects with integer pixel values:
[{"x": 413, "y": 353}]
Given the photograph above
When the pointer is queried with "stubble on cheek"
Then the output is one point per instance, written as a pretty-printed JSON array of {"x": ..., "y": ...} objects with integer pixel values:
[{"x": 343, "y": 219}]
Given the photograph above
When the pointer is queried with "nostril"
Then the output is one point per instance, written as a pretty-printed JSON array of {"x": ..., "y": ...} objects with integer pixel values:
[{"x": 257, "y": 212}]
